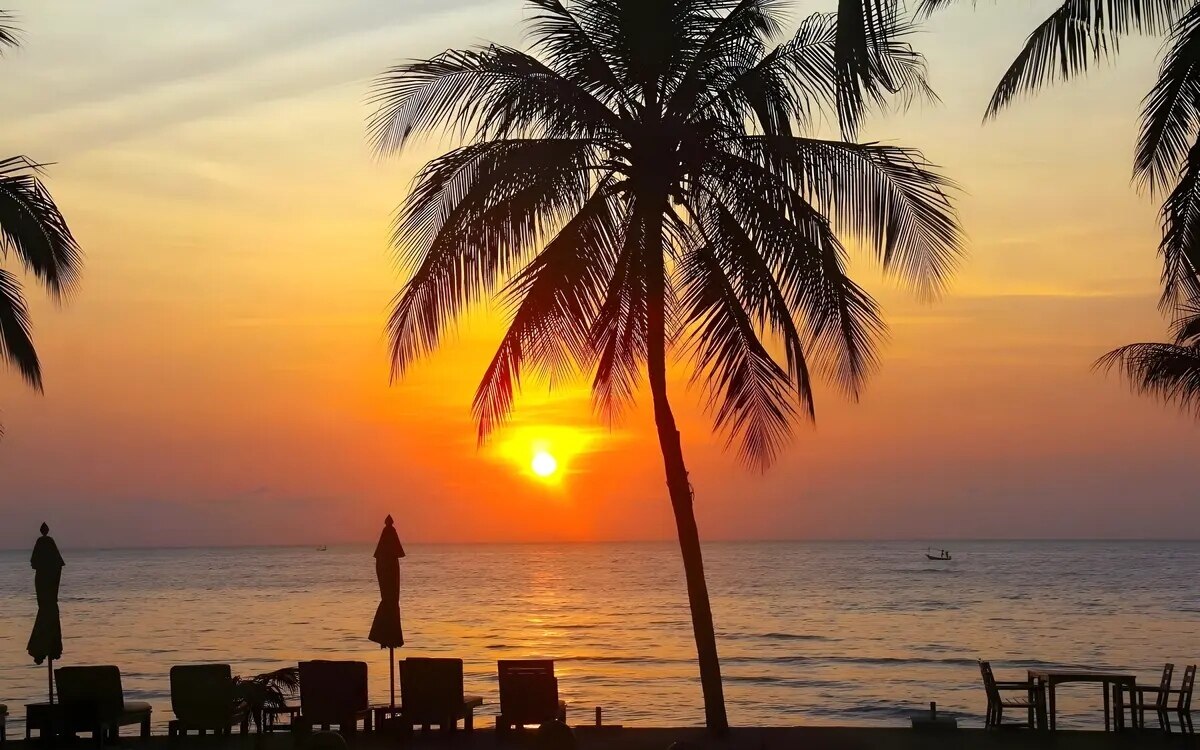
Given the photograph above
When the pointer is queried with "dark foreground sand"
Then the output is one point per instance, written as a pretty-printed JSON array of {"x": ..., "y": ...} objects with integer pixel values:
[{"x": 804, "y": 738}]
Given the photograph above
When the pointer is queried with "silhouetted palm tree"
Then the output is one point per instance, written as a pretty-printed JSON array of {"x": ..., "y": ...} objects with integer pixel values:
[
  {"x": 1169, "y": 371},
  {"x": 637, "y": 182},
  {"x": 1167, "y": 161},
  {"x": 34, "y": 232}
]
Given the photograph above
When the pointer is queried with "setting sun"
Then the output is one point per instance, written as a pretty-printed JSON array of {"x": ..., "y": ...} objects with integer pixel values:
[{"x": 543, "y": 464}]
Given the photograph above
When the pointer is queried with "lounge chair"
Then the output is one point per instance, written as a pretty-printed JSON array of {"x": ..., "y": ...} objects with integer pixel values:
[
  {"x": 1158, "y": 700},
  {"x": 203, "y": 700},
  {"x": 333, "y": 693},
  {"x": 431, "y": 693},
  {"x": 92, "y": 700},
  {"x": 528, "y": 694},
  {"x": 996, "y": 703}
]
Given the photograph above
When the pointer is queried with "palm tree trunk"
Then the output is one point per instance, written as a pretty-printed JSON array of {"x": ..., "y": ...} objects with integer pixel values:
[{"x": 677, "y": 482}]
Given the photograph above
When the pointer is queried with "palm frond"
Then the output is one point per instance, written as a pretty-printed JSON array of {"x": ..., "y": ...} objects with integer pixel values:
[
  {"x": 1186, "y": 329},
  {"x": 618, "y": 338},
  {"x": 575, "y": 55},
  {"x": 841, "y": 322},
  {"x": 16, "y": 340},
  {"x": 492, "y": 93},
  {"x": 9, "y": 32},
  {"x": 1168, "y": 372},
  {"x": 890, "y": 197},
  {"x": 557, "y": 296},
  {"x": 468, "y": 222},
  {"x": 1171, "y": 112},
  {"x": 1180, "y": 246},
  {"x": 749, "y": 392},
  {"x": 1078, "y": 34},
  {"x": 33, "y": 228}
]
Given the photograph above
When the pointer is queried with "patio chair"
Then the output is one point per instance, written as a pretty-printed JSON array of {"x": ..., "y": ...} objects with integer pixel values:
[
  {"x": 996, "y": 703},
  {"x": 92, "y": 700},
  {"x": 431, "y": 693},
  {"x": 528, "y": 695},
  {"x": 1158, "y": 700},
  {"x": 202, "y": 698},
  {"x": 333, "y": 693}
]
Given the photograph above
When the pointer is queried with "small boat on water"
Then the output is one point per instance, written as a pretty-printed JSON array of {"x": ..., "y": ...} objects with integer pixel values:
[
  {"x": 322, "y": 548},
  {"x": 941, "y": 554}
]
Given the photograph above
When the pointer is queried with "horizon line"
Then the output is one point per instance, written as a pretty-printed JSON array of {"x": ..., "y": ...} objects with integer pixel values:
[{"x": 665, "y": 540}]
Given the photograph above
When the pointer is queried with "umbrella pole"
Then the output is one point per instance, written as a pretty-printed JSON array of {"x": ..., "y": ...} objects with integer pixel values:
[
  {"x": 392, "y": 672},
  {"x": 50, "y": 679}
]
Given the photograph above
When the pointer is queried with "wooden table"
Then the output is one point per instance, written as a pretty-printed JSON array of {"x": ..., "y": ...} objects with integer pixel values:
[{"x": 1112, "y": 682}]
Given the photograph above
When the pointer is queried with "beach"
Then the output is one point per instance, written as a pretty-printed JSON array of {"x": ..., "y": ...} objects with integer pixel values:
[{"x": 847, "y": 634}]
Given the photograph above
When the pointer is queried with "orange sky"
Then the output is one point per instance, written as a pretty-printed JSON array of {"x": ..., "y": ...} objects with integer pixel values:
[{"x": 221, "y": 375}]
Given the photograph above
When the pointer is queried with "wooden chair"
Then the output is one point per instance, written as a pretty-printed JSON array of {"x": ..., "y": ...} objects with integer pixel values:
[
  {"x": 202, "y": 698},
  {"x": 996, "y": 703},
  {"x": 528, "y": 694},
  {"x": 1161, "y": 703},
  {"x": 431, "y": 693},
  {"x": 333, "y": 693},
  {"x": 93, "y": 700}
]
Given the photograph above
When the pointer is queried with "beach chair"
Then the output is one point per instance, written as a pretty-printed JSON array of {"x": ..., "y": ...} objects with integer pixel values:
[
  {"x": 93, "y": 701},
  {"x": 1158, "y": 700},
  {"x": 202, "y": 698},
  {"x": 996, "y": 702},
  {"x": 431, "y": 693},
  {"x": 333, "y": 693},
  {"x": 528, "y": 694}
]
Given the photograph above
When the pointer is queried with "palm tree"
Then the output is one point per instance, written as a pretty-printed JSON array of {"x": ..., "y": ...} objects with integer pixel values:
[
  {"x": 642, "y": 181},
  {"x": 1167, "y": 160},
  {"x": 33, "y": 231},
  {"x": 1170, "y": 372},
  {"x": 265, "y": 691}
]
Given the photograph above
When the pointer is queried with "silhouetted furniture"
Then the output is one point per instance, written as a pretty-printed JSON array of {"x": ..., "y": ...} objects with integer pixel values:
[
  {"x": 271, "y": 718},
  {"x": 528, "y": 694},
  {"x": 1163, "y": 701},
  {"x": 3, "y": 722},
  {"x": 1112, "y": 682},
  {"x": 43, "y": 718},
  {"x": 333, "y": 693},
  {"x": 996, "y": 702},
  {"x": 93, "y": 701},
  {"x": 203, "y": 700},
  {"x": 431, "y": 694}
]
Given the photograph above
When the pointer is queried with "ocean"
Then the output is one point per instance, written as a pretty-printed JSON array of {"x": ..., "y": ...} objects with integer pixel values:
[{"x": 851, "y": 633}]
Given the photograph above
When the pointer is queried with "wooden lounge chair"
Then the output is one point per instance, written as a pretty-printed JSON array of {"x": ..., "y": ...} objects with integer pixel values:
[
  {"x": 1158, "y": 700},
  {"x": 528, "y": 695},
  {"x": 92, "y": 700},
  {"x": 431, "y": 692},
  {"x": 333, "y": 693},
  {"x": 202, "y": 698},
  {"x": 996, "y": 703}
]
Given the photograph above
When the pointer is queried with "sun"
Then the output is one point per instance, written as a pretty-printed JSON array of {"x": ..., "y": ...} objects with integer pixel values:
[{"x": 543, "y": 464}]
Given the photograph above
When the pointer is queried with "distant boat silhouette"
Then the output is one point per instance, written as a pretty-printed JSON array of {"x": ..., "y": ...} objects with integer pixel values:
[
  {"x": 322, "y": 548},
  {"x": 941, "y": 555}
]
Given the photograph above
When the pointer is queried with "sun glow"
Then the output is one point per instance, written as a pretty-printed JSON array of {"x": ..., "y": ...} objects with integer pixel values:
[{"x": 543, "y": 464}]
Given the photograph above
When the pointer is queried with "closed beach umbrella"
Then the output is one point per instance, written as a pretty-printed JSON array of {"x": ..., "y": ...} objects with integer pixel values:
[
  {"x": 386, "y": 630},
  {"x": 45, "y": 642}
]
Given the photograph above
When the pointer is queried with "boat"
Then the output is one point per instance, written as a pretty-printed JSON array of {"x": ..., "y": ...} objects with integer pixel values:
[
  {"x": 322, "y": 548},
  {"x": 941, "y": 555}
]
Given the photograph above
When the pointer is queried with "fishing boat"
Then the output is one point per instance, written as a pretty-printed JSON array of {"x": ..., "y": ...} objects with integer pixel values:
[
  {"x": 941, "y": 554},
  {"x": 322, "y": 548}
]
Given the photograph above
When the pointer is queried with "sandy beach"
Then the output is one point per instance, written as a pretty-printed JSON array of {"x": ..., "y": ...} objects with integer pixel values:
[{"x": 766, "y": 738}]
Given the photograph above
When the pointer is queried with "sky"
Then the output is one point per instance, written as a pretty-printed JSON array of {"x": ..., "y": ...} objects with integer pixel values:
[{"x": 221, "y": 375}]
